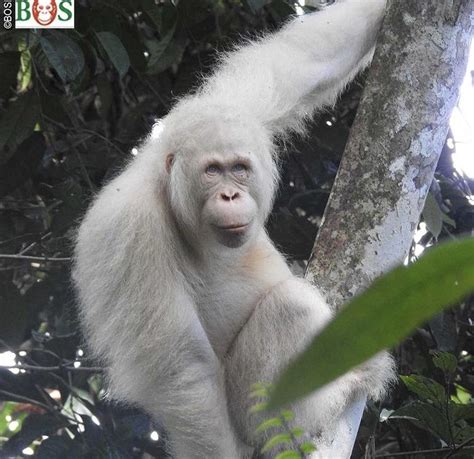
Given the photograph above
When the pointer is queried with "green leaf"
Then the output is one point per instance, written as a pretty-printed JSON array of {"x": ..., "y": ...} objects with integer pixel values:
[
  {"x": 383, "y": 315},
  {"x": 433, "y": 215},
  {"x": 64, "y": 55},
  {"x": 307, "y": 447},
  {"x": 288, "y": 455},
  {"x": 115, "y": 51},
  {"x": 24, "y": 75},
  {"x": 17, "y": 124},
  {"x": 297, "y": 432},
  {"x": 448, "y": 220},
  {"x": 426, "y": 416},
  {"x": 461, "y": 412},
  {"x": 164, "y": 16},
  {"x": 287, "y": 415},
  {"x": 259, "y": 390},
  {"x": 463, "y": 435},
  {"x": 165, "y": 53},
  {"x": 425, "y": 388},
  {"x": 268, "y": 424},
  {"x": 462, "y": 395},
  {"x": 446, "y": 362},
  {"x": 8, "y": 408},
  {"x": 260, "y": 393},
  {"x": 279, "y": 439},
  {"x": 261, "y": 386},
  {"x": 258, "y": 407}
]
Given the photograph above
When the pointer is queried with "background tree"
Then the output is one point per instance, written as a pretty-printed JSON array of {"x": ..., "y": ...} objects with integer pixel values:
[
  {"x": 390, "y": 159},
  {"x": 74, "y": 104}
]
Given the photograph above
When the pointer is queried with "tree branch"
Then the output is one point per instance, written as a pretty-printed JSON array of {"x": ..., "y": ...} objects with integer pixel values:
[{"x": 8, "y": 256}]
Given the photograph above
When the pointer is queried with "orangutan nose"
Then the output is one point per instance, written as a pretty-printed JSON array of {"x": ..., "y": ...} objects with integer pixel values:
[{"x": 230, "y": 195}]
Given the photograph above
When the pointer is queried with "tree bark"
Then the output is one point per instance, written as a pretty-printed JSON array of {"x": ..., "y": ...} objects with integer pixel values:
[
  {"x": 394, "y": 146},
  {"x": 391, "y": 155}
]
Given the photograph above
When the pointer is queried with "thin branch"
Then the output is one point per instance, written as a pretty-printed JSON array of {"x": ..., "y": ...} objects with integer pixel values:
[
  {"x": 419, "y": 452},
  {"x": 9, "y": 256},
  {"x": 87, "y": 131},
  {"x": 83, "y": 169},
  {"x": 20, "y": 236},
  {"x": 463, "y": 445},
  {"x": 53, "y": 368},
  {"x": 31, "y": 401}
]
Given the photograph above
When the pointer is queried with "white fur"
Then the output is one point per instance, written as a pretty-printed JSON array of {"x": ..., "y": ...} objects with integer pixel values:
[{"x": 184, "y": 326}]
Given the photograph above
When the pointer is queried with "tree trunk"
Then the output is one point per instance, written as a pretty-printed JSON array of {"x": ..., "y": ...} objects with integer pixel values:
[{"x": 390, "y": 158}]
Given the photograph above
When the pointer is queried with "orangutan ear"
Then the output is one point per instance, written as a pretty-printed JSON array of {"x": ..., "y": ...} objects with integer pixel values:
[{"x": 169, "y": 163}]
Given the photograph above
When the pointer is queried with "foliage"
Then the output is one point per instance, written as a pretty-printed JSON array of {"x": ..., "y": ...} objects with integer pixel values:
[
  {"x": 278, "y": 433},
  {"x": 445, "y": 416},
  {"x": 73, "y": 105},
  {"x": 392, "y": 307}
]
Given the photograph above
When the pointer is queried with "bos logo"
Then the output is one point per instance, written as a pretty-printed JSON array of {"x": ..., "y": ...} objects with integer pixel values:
[{"x": 40, "y": 14}]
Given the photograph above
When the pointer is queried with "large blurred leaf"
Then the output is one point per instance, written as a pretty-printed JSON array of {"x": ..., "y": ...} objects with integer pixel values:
[
  {"x": 17, "y": 123},
  {"x": 115, "y": 50},
  {"x": 64, "y": 55},
  {"x": 380, "y": 317}
]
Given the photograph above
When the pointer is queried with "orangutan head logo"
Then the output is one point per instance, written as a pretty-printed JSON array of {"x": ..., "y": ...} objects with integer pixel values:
[{"x": 44, "y": 11}]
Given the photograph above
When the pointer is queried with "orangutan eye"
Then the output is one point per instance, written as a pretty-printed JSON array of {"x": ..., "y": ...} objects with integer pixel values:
[
  {"x": 213, "y": 169},
  {"x": 240, "y": 169}
]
